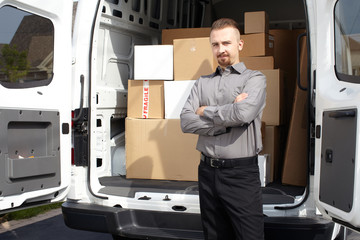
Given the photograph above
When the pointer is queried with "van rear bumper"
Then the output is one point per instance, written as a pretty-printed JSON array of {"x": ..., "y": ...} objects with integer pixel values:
[
  {"x": 132, "y": 223},
  {"x": 142, "y": 224}
]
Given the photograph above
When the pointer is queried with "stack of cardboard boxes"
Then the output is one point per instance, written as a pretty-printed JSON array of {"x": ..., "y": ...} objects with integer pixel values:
[
  {"x": 285, "y": 134},
  {"x": 258, "y": 54},
  {"x": 156, "y": 148}
]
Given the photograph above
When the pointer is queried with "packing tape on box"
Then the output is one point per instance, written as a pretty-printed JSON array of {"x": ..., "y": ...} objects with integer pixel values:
[{"x": 146, "y": 96}]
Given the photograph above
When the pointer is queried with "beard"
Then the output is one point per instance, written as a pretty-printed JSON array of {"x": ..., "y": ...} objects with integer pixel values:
[{"x": 224, "y": 60}]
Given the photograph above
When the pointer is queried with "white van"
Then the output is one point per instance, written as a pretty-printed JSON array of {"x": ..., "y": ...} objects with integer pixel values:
[{"x": 64, "y": 74}]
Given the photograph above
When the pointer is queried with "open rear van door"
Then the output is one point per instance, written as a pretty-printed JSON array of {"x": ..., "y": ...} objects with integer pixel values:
[
  {"x": 35, "y": 101},
  {"x": 335, "y": 35}
]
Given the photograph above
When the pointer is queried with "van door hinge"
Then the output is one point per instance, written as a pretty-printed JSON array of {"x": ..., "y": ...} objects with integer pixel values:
[
  {"x": 318, "y": 131},
  {"x": 312, "y": 131},
  {"x": 81, "y": 138}
]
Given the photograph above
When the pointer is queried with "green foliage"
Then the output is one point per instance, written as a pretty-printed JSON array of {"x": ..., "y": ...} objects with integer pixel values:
[
  {"x": 14, "y": 62},
  {"x": 28, "y": 213}
]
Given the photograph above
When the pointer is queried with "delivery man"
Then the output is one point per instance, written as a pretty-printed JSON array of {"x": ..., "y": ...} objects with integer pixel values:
[{"x": 225, "y": 109}]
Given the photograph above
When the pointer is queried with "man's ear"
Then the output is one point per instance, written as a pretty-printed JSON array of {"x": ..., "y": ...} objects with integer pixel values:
[{"x": 241, "y": 44}]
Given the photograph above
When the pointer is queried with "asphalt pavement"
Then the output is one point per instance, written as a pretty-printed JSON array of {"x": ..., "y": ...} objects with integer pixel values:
[{"x": 49, "y": 225}]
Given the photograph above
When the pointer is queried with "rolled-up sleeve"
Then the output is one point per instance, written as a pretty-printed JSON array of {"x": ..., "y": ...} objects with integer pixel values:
[
  {"x": 245, "y": 111},
  {"x": 193, "y": 123}
]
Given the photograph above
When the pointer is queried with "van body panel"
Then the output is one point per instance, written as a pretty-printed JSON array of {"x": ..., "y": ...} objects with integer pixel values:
[
  {"x": 336, "y": 144},
  {"x": 35, "y": 108}
]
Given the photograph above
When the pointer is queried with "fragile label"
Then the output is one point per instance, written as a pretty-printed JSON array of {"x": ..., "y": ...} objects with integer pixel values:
[{"x": 145, "y": 105}]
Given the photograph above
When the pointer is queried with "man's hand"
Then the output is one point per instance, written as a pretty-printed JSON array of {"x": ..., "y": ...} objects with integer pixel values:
[
  {"x": 240, "y": 97},
  {"x": 200, "y": 110}
]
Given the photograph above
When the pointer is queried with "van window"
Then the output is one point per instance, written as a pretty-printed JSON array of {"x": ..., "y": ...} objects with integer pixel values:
[
  {"x": 347, "y": 40},
  {"x": 26, "y": 49}
]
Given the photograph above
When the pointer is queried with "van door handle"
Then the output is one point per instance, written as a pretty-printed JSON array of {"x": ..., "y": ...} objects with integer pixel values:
[
  {"x": 75, "y": 119},
  {"x": 342, "y": 114}
]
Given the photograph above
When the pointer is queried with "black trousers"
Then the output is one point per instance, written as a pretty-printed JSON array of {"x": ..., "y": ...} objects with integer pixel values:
[{"x": 231, "y": 203}]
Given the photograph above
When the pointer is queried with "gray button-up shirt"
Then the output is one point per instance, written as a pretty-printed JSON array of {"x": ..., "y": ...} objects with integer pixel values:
[{"x": 227, "y": 129}]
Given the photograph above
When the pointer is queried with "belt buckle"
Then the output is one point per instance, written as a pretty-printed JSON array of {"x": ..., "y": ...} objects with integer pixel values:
[{"x": 216, "y": 163}]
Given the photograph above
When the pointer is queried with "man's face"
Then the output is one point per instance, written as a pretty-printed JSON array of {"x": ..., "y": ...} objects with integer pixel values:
[{"x": 226, "y": 44}]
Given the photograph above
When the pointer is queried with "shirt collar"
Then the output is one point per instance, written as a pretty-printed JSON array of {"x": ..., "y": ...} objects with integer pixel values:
[{"x": 239, "y": 67}]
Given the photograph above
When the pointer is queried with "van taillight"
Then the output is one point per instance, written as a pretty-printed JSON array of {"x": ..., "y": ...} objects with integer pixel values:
[
  {"x": 72, "y": 157},
  {"x": 72, "y": 117}
]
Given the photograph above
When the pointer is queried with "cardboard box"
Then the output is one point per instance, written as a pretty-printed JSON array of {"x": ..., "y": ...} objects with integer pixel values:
[
  {"x": 271, "y": 147},
  {"x": 176, "y": 93},
  {"x": 193, "y": 58},
  {"x": 256, "y": 22},
  {"x": 285, "y": 49},
  {"x": 158, "y": 149},
  {"x": 257, "y": 44},
  {"x": 296, "y": 152},
  {"x": 258, "y": 63},
  {"x": 264, "y": 169},
  {"x": 285, "y": 59},
  {"x": 145, "y": 99},
  {"x": 274, "y": 113},
  {"x": 168, "y": 35},
  {"x": 153, "y": 62}
]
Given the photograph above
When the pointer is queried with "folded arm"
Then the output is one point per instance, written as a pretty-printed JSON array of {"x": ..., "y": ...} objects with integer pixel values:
[
  {"x": 244, "y": 109},
  {"x": 192, "y": 122}
]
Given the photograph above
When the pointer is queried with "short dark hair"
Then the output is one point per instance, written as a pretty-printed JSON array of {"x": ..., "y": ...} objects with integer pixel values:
[{"x": 223, "y": 23}]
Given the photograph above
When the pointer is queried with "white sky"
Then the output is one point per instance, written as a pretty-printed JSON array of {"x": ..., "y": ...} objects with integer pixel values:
[{"x": 10, "y": 19}]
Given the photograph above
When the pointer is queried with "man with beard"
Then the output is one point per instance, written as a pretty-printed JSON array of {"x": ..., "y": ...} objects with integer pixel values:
[{"x": 225, "y": 110}]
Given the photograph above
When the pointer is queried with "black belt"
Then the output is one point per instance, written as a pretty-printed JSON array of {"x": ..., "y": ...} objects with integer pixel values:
[{"x": 229, "y": 163}]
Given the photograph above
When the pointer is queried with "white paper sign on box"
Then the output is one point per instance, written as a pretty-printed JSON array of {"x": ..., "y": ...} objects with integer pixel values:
[
  {"x": 176, "y": 93},
  {"x": 153, "y": 62},
  {"x": 264, "y": 169}
]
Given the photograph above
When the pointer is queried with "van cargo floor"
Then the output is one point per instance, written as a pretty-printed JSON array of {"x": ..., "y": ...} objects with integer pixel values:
[{"x": 274, "y": 193}]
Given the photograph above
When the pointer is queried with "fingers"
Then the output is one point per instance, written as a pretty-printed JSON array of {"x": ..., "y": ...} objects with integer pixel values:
[
  {"x": 240, "y": 97},
  {"x": 200, "y": 111}
]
